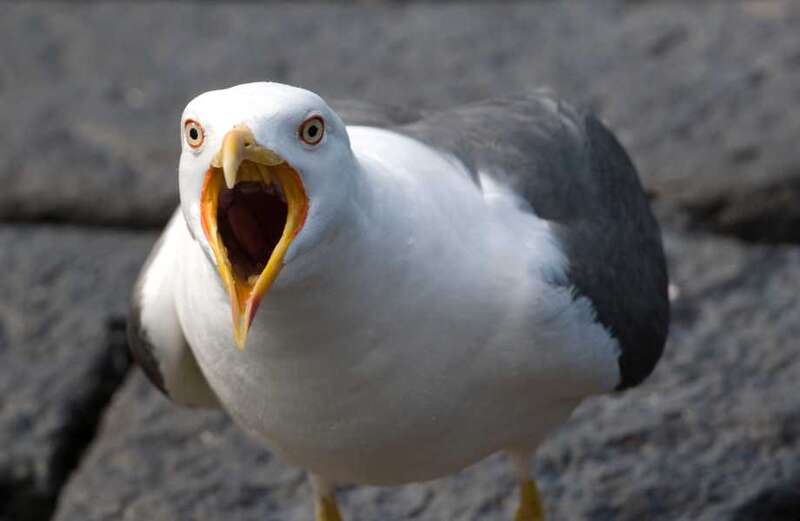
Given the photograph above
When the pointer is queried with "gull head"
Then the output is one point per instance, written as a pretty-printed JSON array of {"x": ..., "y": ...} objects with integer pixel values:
[{"x": 263, "y": 169}]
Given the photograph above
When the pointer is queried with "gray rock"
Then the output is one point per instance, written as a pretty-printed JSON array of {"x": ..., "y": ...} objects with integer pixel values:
[
  {"x": 713, "y": 435},
  {"x": 699, "y": 92},
  {"x": 63, "y": 291}
]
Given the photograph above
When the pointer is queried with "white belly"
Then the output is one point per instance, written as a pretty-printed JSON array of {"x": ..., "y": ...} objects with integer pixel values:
[{"x": 384, "y": 404}]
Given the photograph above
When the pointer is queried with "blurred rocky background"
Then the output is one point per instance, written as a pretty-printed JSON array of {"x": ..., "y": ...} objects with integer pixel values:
[{"x": 705, "y": 96}]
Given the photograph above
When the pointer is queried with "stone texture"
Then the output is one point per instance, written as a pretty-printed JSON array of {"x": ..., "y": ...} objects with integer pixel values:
[
  {"x": 699, "y": 91},
  {"x": 63, "y": 292},
  {"x": 714, "y": 434}
]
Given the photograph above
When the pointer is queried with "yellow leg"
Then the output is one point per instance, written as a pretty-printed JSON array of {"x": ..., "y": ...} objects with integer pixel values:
[
  {"x": 530, "y": 504},
  {"x": 325, "y": 508}
]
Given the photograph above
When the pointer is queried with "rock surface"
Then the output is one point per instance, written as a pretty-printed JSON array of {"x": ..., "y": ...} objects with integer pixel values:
[
  {"x": 699, "y": 92},
  {"x": 63, "y": 294},
  {"x": 713, "y": 435}
]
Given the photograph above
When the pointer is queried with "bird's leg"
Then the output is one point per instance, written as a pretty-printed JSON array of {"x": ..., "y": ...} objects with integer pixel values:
[
  {"x": 530, "y": 503},
  {"x": 325, "y": 508}
]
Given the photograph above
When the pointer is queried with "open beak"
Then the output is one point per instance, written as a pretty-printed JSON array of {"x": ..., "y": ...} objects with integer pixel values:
[{"x": 253, "y": 204}]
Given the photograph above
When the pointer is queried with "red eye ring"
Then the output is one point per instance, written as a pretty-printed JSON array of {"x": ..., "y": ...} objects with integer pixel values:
[
  {"x": 312, "y": 130},
  {"x": 194, "y": 133}
]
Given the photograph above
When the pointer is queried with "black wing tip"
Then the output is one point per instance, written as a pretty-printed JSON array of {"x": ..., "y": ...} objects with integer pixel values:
[
  {"x": 637, "y": 363},
  {"x": 644, "y": 348},
  {"x": 642, "y": 342}
]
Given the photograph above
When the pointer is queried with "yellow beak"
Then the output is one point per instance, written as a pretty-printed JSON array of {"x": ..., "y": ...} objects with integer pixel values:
[{"x": 242, "y": 159}]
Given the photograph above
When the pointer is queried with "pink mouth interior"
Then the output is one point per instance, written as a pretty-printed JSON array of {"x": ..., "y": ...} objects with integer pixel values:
[{"x": 251, "y": 218}]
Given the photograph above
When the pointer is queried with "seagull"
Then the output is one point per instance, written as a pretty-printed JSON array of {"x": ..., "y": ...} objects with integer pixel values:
[{"x": 392, "y": 299}]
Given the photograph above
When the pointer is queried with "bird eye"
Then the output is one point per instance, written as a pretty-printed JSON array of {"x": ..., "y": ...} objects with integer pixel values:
[
  {"x": 312, "y": 130},
  {"x": 195, "y": 135}
]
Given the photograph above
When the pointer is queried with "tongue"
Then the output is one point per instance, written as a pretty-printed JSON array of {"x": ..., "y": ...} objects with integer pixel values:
[
  {"x": 251, "y": 220},
  {"x": 246, "y": 230}
]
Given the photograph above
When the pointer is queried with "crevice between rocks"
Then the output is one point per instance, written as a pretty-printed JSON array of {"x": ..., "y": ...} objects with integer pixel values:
[
  {"x": 86, "y": 415},
  {"x": 756, "y": 213},
  {"x": 23, "y": 500},
  {"x": 780, "y": 503},
  {"x": 30, "y": 501},
  {"x": 57, "y": 219}
]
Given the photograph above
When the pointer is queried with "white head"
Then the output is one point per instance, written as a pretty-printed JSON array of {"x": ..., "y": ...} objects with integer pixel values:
[{"x": 264, "y": 168}]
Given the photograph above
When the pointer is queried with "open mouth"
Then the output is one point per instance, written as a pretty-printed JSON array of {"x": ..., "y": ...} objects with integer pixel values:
[
  {"x": 253, "y": 204},
  {"x": 251, "y": 218}
]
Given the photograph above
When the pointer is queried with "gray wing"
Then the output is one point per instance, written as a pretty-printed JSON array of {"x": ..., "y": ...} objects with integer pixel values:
[
  {"x": 574, "y": 173},
  {"x": 155, "y": 336}
]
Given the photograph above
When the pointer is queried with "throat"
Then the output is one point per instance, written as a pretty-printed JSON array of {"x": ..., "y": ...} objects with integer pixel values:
[{"x": 251, "y": 218}]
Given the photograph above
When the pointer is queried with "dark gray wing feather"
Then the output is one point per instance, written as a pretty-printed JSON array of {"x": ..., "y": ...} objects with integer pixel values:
[{"x": 574, "y": 173}]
